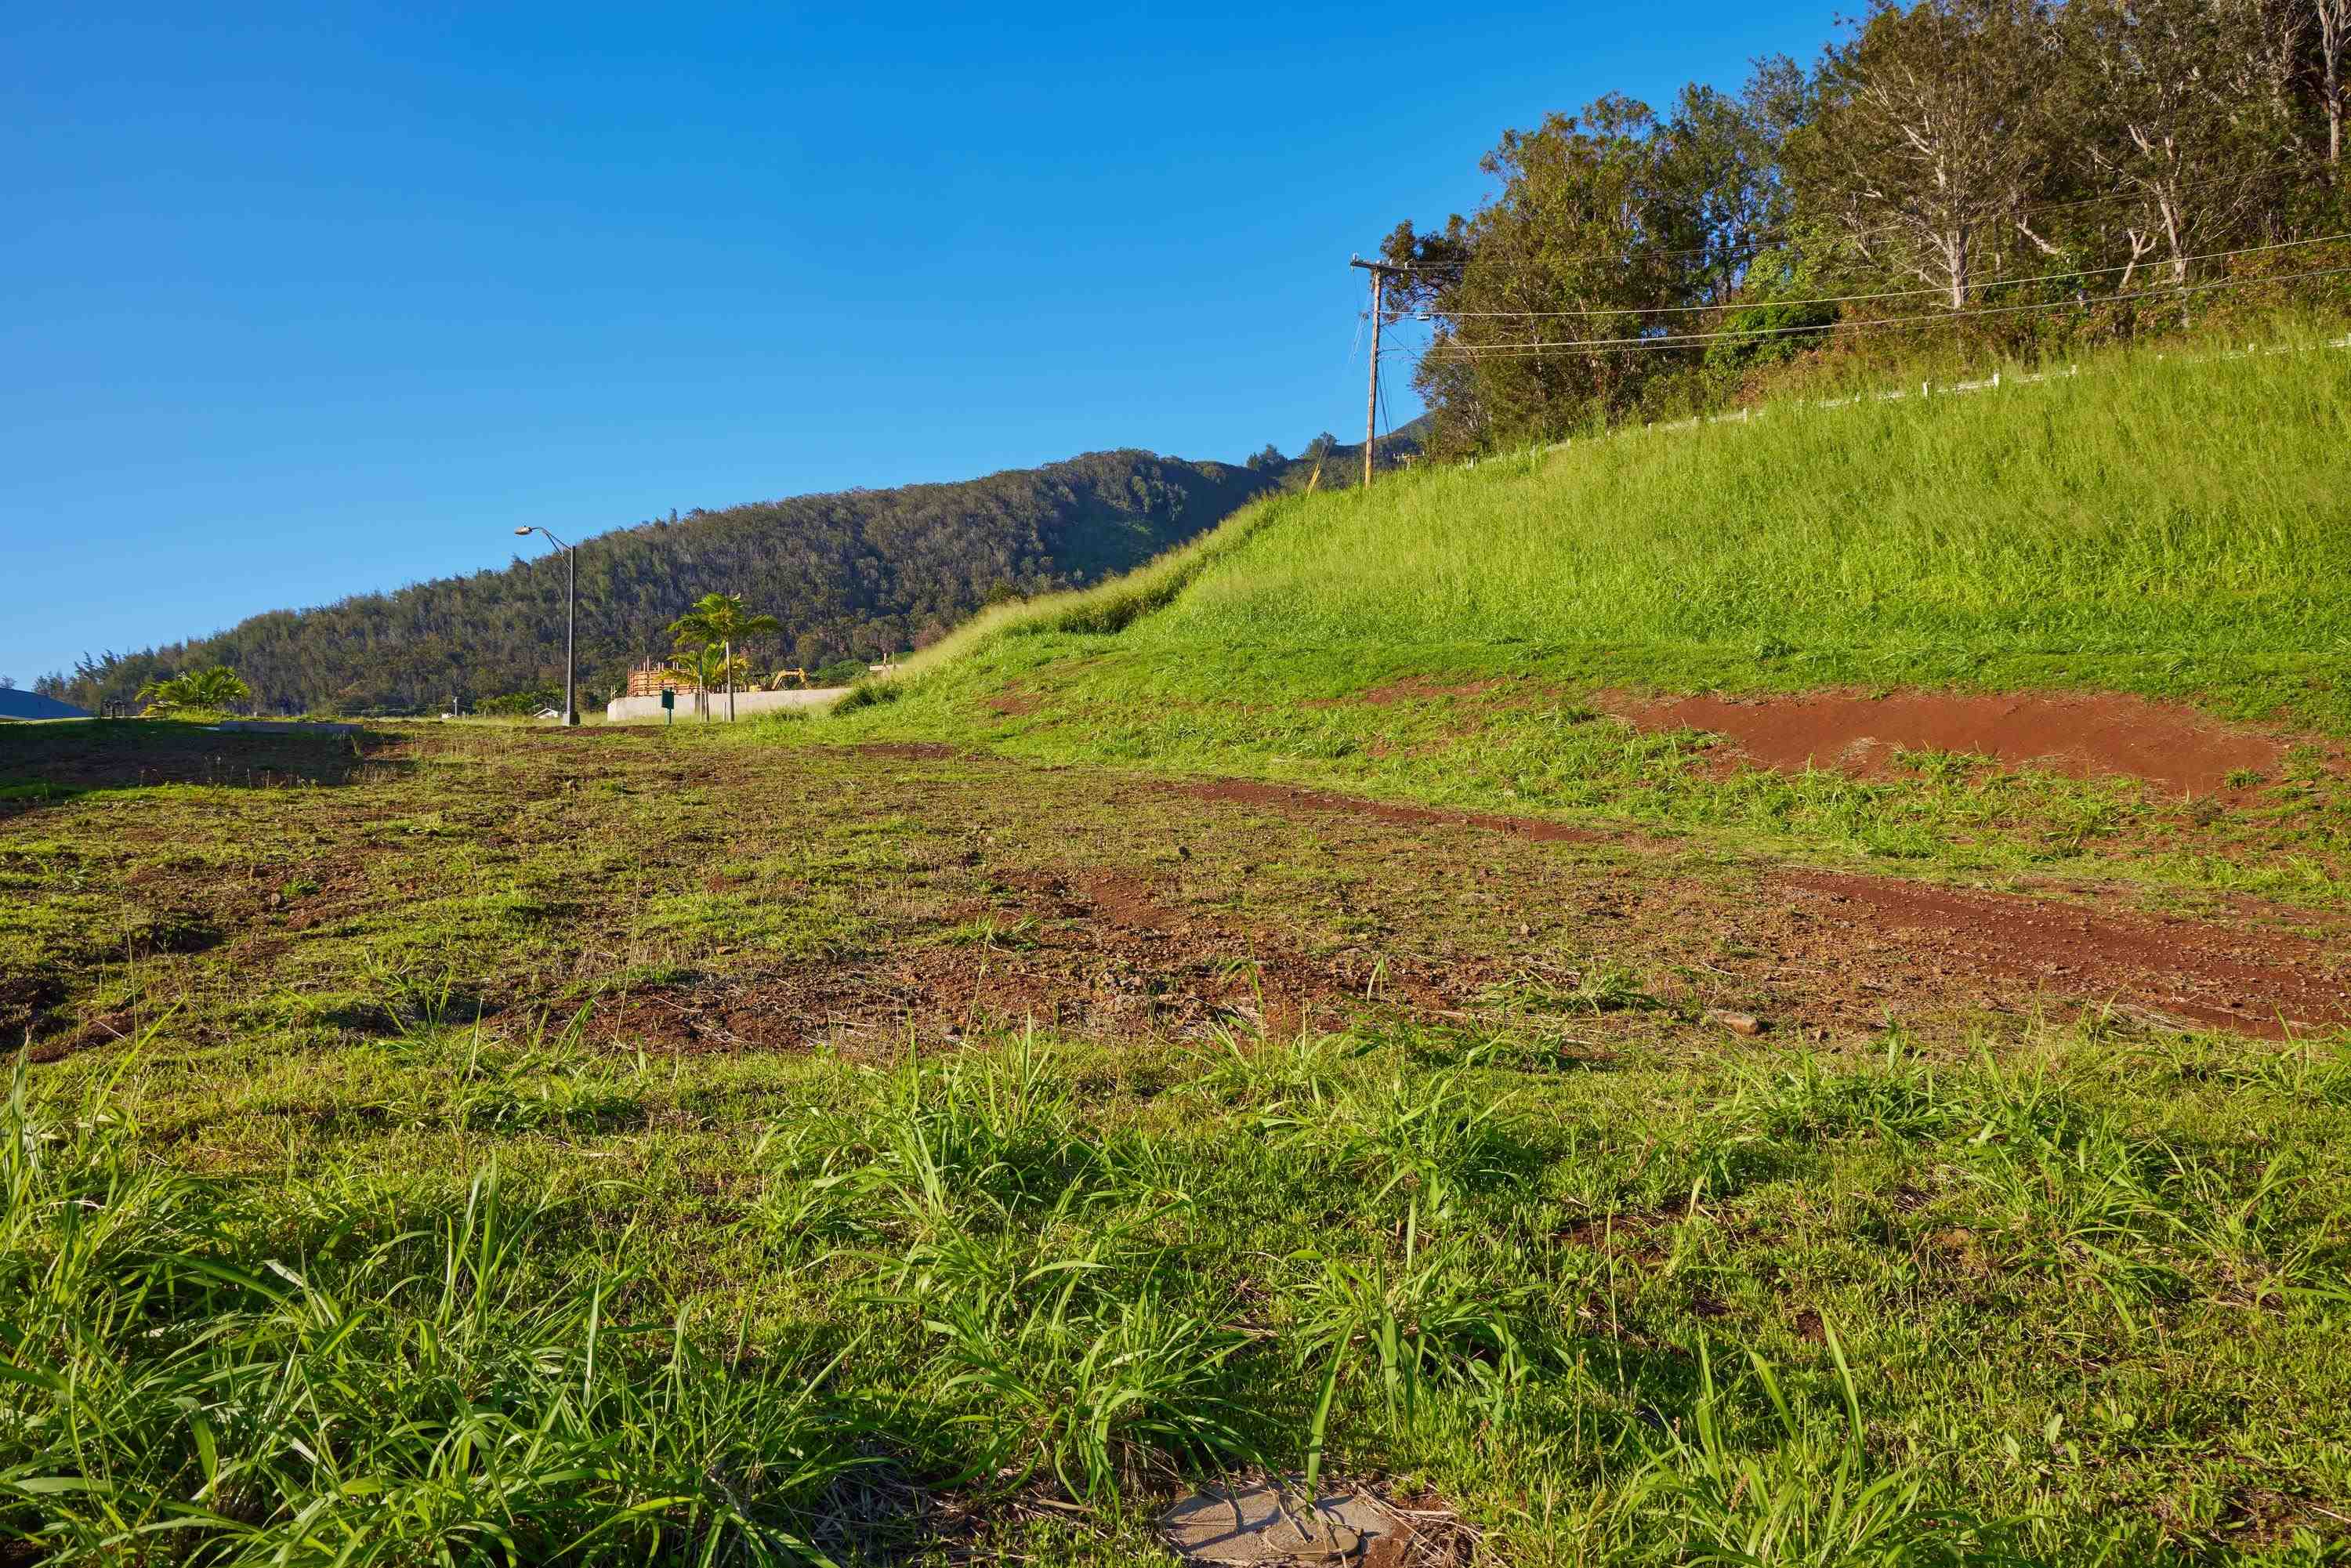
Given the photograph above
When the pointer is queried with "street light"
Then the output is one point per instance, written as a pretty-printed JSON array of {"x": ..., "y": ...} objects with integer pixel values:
[{"x": 571, "y": 613}]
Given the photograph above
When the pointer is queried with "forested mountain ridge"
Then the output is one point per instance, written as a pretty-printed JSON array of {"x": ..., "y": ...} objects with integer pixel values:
[{"x": 852, "y": 573}]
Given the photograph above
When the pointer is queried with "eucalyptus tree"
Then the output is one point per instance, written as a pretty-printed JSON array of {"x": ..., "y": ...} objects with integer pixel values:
[
  {"x": 1927, "y": 148},
  {"x": 2167, "y": 114},
  {"x": 2330, "y": 43},
  {"x": 1535, "y": 295}
]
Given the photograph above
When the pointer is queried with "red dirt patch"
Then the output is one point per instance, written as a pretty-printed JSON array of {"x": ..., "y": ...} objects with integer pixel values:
[
  {"x": 1015, "y": 701},
  {"x": 105, "y": 1030},
  {"x": 2082, "y": 736},
  {"x": 1126, "y": 901}
]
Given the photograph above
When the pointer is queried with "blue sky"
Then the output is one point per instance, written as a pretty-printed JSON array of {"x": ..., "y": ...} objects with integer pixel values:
[{"x": 305, "y": 301}]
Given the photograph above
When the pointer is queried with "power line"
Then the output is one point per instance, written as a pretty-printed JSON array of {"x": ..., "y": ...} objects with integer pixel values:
[
  {"x": 1887, "y": 293},
  {"x": 1469, "y": 351}
]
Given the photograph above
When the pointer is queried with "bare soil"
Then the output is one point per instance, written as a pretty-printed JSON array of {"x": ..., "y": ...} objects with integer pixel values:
[
  {"x": 1113, "y": 946},
  {"x": 1014, "y": 701},
  {"x": 1105, "y": 953},
  {"x": 2080, "y": 735}
]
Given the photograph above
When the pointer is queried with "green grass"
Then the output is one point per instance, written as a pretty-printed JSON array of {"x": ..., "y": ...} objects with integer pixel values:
[
  {"x": 2084, "y": 1300},
  {"x": 2152, "y": 510},
  {"x": 398, "y": 1227}
]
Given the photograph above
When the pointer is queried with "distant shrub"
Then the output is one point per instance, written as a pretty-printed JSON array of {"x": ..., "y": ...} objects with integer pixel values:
[
  {"x": 839, "y": 673},
  {"x": 521, "y": 703}
]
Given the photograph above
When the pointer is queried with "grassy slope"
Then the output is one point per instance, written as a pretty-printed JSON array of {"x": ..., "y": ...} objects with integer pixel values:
[
  {"x": 2147, "y": 509},
  {"x": 2150, "y": 526}
]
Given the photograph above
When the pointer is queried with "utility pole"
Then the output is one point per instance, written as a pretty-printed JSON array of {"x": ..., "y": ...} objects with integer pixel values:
[
  {"x": 1379, "y": 272},
  {"x": 571, "y": 618},
  {"x": 571, "y": 622}
]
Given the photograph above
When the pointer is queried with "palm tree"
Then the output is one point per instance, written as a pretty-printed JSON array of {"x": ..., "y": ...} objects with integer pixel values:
[
  {"x": 218, "y": 687},
  {"x": 215, "y": 688},
  {"x": 719, "y": 619},
  {"x": 708, "y": 666}
]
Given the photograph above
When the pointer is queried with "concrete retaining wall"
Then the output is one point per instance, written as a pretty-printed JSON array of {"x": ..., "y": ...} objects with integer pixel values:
[{"x": 747, "y": 705}]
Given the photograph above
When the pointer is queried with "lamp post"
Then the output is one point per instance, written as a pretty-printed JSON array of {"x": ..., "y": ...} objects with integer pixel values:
[{"x": 571, "y": 613}]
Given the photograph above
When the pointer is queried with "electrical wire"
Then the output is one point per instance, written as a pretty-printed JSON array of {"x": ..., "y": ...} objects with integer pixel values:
[
  {"x": 1387, "y": 419},
  {"x": 1456, "y": 351}
]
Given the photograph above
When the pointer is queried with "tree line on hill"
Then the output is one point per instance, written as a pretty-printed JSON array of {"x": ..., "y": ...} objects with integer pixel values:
[
  {"x": 2011, "y": 177},
  {"x": 849, "y": 576}
]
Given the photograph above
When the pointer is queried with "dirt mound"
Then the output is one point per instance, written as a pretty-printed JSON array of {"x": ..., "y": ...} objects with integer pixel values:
[{"x": 2084, "y": 736}]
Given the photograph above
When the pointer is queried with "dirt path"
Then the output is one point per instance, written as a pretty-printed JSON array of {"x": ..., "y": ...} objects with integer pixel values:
[
  {"x": 2240, "y": 977},
  {"x": 2234, "y": 976}
]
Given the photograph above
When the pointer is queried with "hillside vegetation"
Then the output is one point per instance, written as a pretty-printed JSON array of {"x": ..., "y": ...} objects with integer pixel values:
[{"x": 2148, "y": 506}]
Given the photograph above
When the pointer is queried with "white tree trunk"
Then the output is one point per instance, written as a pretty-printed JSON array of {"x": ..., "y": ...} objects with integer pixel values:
[{"x": 2333, "y": 33}]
